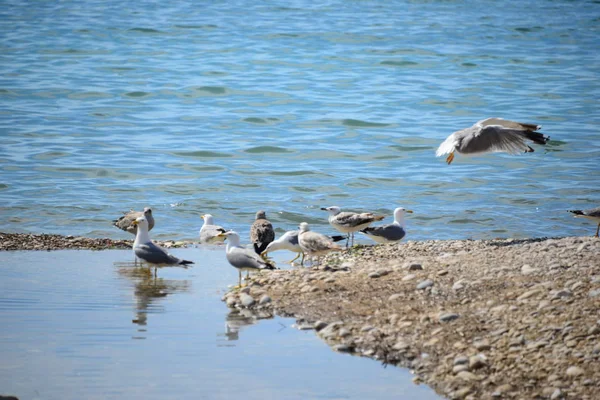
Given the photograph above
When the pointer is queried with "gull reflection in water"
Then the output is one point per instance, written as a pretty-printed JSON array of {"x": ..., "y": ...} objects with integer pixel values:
[
  {"x": 148, "y": 288},
  {"x": 237, "y": 319}
]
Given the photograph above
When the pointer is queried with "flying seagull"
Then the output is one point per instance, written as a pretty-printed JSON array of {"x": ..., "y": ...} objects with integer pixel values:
[
  {"x": 126, "y": 221},
  {"x": 492, "y": 135},
  {"x": 592, "y": 213},
  {"x": 389, "y": 233}
]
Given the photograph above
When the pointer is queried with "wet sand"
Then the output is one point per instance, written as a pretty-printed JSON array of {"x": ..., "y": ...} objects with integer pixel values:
[{"x": 481, "y": 319}]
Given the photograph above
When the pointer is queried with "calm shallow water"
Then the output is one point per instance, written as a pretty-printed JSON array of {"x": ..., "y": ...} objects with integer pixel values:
[
  {"x": 230, "y": 107},
  {"x": 88, "y": 325}
]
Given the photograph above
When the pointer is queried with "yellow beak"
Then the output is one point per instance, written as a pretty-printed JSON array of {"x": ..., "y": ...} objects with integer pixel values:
[{"x": 409, "y": 211}]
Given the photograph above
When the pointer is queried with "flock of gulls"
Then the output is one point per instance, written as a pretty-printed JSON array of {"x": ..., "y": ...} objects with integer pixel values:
[{"x": 485, "y": 136}]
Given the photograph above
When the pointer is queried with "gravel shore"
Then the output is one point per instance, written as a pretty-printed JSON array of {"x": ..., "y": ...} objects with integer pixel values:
[{"x": 474, "y": 319}]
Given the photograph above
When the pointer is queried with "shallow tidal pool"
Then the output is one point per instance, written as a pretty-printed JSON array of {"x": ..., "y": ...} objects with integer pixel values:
[{"x": 90, "y": 324}]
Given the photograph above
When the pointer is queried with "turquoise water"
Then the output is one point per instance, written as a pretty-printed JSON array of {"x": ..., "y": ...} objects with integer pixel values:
[
  {"x": 288, "y": 106},
  {"x": 89, "y": 325}
]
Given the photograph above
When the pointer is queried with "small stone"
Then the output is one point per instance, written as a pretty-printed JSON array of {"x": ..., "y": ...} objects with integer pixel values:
[
  {"x": 562, "y": 293},
  {"x": 556, "y": 394},
  {"x": 401, "y": 345},
  {"x": 594, "y": 293},
  {"x": 529, "y": 294},
  {"x": 575, "y": 371},
  {"x": 447, "y": 317},
  {"x": 461, "y": 360},
  {"x": 245, "y": 289},
  {"x": 442, "y": 272},
  {"x": 265, "y": 299},
  {"x": 246, "y": 300},
  {"x": 395, "y": 296},
  {"x": 528, "y": 269},
  {"x": 482, "y": 345},
  {"x": 366, "y": 328},
  {"x": 409, "y": 277},
  {"x": 415, "y": 267},
  {"x": 424, "y": 284},
  {"x": 343, "y": 332},
  {"x": 343, "y": 348},
  {"x": 466, "y": 376},
  {"x": 502, "y": 390},
  {"x": 374, "y": 275},
  {"x": 478, "y": 361},
  {"x": 461, "y": 393},
  {"x": 458, "y": 285},
  {"x": 320, "y": 325},
  {"x": 231, "y": 301},
  {"x": 459, "y": 368}
]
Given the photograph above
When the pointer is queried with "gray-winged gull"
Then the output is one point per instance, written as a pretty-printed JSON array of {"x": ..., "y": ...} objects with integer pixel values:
[
  {"x": 261, "y": 232},
  {"x": 350, "y": 222},
  {"x": 126, "y": 221},
  {"x": 289, "y": 241},
  {"x": 242, "y": 258},
  {"x": 209, "y": 233},
  {"x": 145, "y": 249},
  {"x": 389, "y": 233},
  {"x": 492, "y": 135},
  {"x": 315, "y": 244},
  {"x": 592, "y": 213}
]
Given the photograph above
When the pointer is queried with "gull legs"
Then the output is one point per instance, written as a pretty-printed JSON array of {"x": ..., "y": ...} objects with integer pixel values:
[
  {"x": 598, "y": 229},
  {"x": 450, "y": 158}
]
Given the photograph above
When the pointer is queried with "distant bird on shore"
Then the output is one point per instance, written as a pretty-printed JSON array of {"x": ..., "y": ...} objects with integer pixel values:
[
  {"x": 145, "y": 249},
  {"x": 242, "y": 258},
  {"x": 289, "y": 241},
  {"x": 209, "y": 233},
  {"x": 350, "y": 222},
  {"x": 126, "y": 221},
  {"x": 315, "y": 244},
  {"x": 592, "y": 213},
  {"x": 389, "y": 233},
  {"x": 492, "y": 135},
  {"x": 261, "y": 232}
]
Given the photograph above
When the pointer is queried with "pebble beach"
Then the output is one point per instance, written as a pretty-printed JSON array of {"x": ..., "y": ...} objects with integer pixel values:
[{"x": 473, "y": 319}]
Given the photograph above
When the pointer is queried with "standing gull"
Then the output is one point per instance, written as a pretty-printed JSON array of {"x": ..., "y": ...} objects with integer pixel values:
[
  {"x": 592, "y": 213},
  {"x": 126, "y": 221},
  {"x": 315, "y": 244},
  {"x": 492, "y": 135},
  {"x": 261, "y": 232},
  {"x": 350, "y": 222},
  {"x": 145, "y": 249},
  {"x": 209, "y": 233},
  {"x": 389, "y": 233},
  {"x": 289, "y": 241},
  {"x": 242, "y": 258}
]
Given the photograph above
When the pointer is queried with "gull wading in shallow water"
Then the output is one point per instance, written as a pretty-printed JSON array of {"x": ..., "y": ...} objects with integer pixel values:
[
  {"x": 145, "y": 249},
  {"x": 126, "y": 221},
  {"x": 350, "y": 222},
  {"x": 289, "y": 241},
  {"x": 261, "y": 232},
  {"x": 315, "y": 244},
  {"x": 592, "y": 213},
  {"x": 209, "y": 233},
  {"x": 492, "y": 135},
  {"x": 389, "y": 233},
  {"x": 242, "y": 258}
]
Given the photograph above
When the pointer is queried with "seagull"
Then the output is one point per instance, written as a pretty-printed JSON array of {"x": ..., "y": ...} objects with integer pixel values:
[
  {"x": 242, "y": 258},
  {"x": 315, "y": 244},
  {"x": 289, "y": 241},
  {"x": 389, "y": 233},
  {"x": 492, "y": 135},
  {"x": 145, "y": 249},
  {"x": 592, "y": 213},
  {"x": 126, "y": 221},
  {"x": 261, "y": 232},
  {"x": 350, "y": 222},
  {"x": 209, "y": 233}
]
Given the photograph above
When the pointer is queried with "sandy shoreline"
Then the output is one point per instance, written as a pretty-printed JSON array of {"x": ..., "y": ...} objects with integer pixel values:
[{"x": 472, "y": 319}]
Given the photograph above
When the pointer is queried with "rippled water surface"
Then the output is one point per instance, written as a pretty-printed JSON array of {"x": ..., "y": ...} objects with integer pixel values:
[
  {"x": 230, "y": 107},
  {"x": 89, "y": 325}
]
